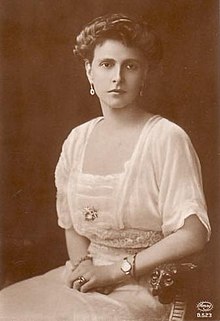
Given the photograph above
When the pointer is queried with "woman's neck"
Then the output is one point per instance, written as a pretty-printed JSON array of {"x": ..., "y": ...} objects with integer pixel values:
[{"x": 126, "y": 116}]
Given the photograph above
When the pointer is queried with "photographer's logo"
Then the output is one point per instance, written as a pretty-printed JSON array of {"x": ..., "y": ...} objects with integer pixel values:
[{"x": 204, "y": 309}]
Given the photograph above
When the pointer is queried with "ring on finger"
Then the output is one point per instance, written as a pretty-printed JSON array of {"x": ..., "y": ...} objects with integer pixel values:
[{"x": 81, "y": 280}]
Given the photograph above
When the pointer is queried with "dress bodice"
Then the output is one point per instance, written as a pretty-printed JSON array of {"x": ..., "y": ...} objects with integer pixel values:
[
  {"x": 96, "y": 216},
  {"x": 159, "y": 188}
]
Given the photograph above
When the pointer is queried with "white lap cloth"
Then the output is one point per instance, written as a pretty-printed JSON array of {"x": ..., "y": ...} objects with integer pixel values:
[{"x": 121, "y": 214}]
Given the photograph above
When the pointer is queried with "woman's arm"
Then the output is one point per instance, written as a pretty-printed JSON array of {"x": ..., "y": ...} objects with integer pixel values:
[
  {"x": 77, "y": 245},
  {"x": 189, "y": 239},
  {"x": 77, "y": 248}
]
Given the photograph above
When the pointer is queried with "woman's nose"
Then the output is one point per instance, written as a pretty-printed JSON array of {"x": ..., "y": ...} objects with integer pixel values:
[{"x": 117, "y": 74}]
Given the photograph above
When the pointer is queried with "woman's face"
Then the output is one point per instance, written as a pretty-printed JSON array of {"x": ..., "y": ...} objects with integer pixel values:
[{"x": 117, "y": 73}]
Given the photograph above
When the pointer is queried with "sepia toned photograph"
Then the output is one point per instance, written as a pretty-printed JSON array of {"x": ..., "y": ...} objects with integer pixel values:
[{"x": 109, "y": 135}]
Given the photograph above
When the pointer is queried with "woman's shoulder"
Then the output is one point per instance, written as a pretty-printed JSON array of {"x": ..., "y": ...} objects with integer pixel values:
[
  {"x": 84, "y": 127},
  {"x": 166, "y": 135},
  {"x": 77, "y": 137},
  {"x": 166, "y": 130},
  {"x": 81, "y": 131},
  {"x": 169, "y": 141}
]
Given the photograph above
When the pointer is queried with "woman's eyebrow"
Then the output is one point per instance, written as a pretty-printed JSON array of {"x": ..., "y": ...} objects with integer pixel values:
[
  {"x": 124, "y": 61},
  {"x": 106, "y": 59},
  {"x": 133, "y": 60}
]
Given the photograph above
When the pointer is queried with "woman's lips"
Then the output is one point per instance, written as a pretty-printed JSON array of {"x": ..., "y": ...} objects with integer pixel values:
[{"x": 117, "y": 91}]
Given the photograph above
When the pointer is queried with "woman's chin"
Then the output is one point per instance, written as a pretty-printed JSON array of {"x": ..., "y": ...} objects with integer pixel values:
[{"x": 118, "y": 104}]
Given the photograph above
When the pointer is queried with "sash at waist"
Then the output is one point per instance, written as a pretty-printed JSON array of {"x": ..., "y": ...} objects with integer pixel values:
[
  {"x": 127, "y": 238},
  {"x": 107, "y": 251}
]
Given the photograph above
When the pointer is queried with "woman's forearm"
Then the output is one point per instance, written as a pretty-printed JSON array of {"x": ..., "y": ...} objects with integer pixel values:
[
  {"x": 189, "y": 239},
  {"x": 77, "y": 245}
]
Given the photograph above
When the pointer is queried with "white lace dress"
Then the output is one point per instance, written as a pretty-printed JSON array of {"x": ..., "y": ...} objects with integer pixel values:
[{"x": 120, "y": 214}]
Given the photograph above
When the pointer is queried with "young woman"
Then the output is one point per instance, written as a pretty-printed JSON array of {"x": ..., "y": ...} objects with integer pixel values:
[{"x": 129, "y": 192}]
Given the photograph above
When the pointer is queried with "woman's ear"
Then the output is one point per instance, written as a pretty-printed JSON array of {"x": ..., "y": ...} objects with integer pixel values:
[{"x": 88, "y": 69}]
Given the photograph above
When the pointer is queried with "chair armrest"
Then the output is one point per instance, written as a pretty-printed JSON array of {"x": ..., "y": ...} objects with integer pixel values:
[{"x": 169, "y": 280}]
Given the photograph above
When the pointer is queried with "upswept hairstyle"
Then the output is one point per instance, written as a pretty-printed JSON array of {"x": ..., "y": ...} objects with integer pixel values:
[{"x": 130, "y": 31}]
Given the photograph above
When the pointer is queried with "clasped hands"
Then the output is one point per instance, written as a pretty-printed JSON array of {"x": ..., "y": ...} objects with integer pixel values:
[{"x": 88, "y": 277}]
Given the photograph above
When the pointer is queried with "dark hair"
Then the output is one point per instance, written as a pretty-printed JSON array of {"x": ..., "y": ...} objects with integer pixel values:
[{"x": 130, "y": 31}]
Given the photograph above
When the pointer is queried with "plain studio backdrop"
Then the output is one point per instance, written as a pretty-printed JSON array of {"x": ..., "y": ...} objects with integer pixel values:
[{"x": 44, "y": 94}]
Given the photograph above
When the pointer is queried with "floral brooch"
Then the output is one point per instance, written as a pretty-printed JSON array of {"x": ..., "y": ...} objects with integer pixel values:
[{"x": 90, "y": 213}]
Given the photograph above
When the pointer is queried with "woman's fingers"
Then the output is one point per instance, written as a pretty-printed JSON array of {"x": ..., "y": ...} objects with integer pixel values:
[
  {"x": 76, "y": 285},
  {"x": 72, "y": 279},
  {"x": 89, "y": 285},
  {"x": 76, "y": 281},
  {"x": 88, "y": 278},
  {"x": 105, "y": 290},
  {"x": 81, "y": 271}
]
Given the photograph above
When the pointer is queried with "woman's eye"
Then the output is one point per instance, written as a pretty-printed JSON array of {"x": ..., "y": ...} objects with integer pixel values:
[
  {"x": 106, "y": 64},
  {"x": 131, "y": 66}
]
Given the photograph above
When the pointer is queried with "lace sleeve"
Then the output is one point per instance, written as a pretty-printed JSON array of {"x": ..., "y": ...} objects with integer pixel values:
[
  {"x": 180, "y": 182},
  {"x": 62, "y": 173}
]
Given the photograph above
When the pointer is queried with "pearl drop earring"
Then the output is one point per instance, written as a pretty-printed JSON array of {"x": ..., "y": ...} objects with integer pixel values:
[{"x": 92, "y": 90}]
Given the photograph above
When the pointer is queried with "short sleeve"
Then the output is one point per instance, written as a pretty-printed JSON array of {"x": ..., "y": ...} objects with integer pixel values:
[
  {"x": 61, "y": 181},
  {"x": 179, "y": 181}
]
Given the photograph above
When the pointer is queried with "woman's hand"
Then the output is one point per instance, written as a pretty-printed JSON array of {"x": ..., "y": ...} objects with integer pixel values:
[{"x": 97, "y": 278}]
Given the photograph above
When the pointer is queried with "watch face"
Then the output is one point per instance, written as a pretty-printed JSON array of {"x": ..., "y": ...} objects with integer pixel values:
[{"x": 126, "y": 266}]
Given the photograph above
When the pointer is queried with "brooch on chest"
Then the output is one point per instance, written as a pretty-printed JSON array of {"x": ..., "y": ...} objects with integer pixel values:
[{"x": 90, "y": 213}]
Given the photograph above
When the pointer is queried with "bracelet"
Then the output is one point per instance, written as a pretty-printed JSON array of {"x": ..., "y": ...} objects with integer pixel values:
[{"x": 82, "y": 259}]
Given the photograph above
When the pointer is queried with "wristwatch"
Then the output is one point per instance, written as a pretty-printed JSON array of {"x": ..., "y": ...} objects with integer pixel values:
[{"x": 126, "y": 266}]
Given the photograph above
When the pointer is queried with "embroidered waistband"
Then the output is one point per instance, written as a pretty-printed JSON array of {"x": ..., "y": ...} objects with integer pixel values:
[{"x": 133, "y": 239}]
